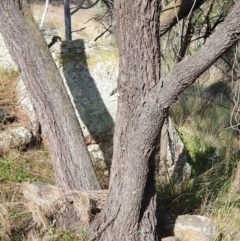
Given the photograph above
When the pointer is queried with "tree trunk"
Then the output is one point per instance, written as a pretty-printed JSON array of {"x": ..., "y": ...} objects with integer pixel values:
[
  {"x": 144, "y": 100},
  {"x": 72, "y": 165},
  {"x": 130, "y": 210}
]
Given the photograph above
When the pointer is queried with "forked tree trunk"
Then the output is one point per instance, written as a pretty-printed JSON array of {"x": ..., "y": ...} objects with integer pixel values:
[
  {"x": 72, "y": 165},
  {"x": 144, "y": 100},
  {"x": 143, "y": 104},
  {"x": 130, "y": 210}
]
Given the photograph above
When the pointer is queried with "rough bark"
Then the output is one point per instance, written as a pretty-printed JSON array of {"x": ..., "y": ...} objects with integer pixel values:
[
  {"x": 72, "y": 165},
  {"x": 130, "y": 210},
  {"x": 188, "y": 70},
  {"x": 143, "y": 104}
]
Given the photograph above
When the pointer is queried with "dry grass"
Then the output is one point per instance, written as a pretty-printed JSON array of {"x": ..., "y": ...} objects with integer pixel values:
[
  {"x": 41, "y": 211},
  {"x": 24, "y": 213},
  {"x": 5, "y": 227},
  {"x": 80, "y": 21},
  {"x": 225, "y": 212},
  {"x": 16, "y": 166},
  {"x": 8, "y": 99},
  {"x": 7, "y": 90}
]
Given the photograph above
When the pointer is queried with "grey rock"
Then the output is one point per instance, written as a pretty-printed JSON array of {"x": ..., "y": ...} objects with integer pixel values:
[
  {"x": 15, "y": 137},
  {"x": 176, "y": 154},
  {"x": 25, "y": 104},
  {"x": 6, "y": 61},
  {"x": 89, "y": 71},
  {"x": 194, "y": 227}
]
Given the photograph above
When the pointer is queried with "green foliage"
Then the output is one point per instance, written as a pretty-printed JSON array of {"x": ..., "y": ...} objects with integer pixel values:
[{"x": 202, "y": 116}]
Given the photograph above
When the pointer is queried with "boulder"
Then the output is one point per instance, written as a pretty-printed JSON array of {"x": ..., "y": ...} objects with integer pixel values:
[
  {"x": 89, "y": 71},
  {"x": 176, "y": 159},
  {"x": 25, "y": 105},
  {"x": 6, "y": 61},
  {"x": 194, "y": 227},
  {"x": 15, "y": 137}
]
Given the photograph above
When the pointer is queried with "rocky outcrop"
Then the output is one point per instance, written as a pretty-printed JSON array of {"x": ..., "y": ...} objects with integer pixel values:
[
  {"x": 15, "y": 137},
  {"x": 6, "y": 61},
  {"x": 89, "y": 71},
  {"x": 194, "y": 227},
  {"x": 25, "y": 105},
  {"x": 172, "y": 156}
]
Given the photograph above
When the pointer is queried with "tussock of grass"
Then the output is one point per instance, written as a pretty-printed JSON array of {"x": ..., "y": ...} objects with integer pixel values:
[
  {"x": 5, "y": 227},
  {"x": 210, "y": 194},
  {"x": 224, "y": 210},
  {"x": 44, "y": 212}
]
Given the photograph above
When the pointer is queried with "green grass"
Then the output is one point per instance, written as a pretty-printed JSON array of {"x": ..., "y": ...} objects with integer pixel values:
[
  {"x": 67, "y": 235},
  {"x": 24, "y": 167},
  {"x": 202, "y": 120},
  {"x": 11, "y": 172},
  {"x": 210, "y": 194}
]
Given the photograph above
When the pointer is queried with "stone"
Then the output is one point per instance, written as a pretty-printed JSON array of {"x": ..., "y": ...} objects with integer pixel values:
[
  {"x": 176, "y": 154},
  {"x": 89, "y": 71},
  {"x": 96, "y": 154},
  {"x": 194, "y": 227},
  {"x": 15, "y": 137},
  {"x": 6, "y": 61},
  {"x": 170, "y": 238},
  {"x": 171, "y": 154},
  {"x": 25, "y": 104}
]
